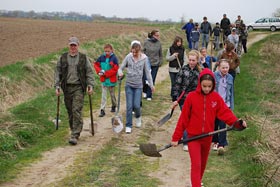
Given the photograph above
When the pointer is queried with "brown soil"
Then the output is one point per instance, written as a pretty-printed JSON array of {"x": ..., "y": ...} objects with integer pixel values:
[{"x": 28, "y": 38}]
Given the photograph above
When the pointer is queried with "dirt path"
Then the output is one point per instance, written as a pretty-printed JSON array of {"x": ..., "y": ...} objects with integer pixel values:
[{"x": 54, "y": 164}]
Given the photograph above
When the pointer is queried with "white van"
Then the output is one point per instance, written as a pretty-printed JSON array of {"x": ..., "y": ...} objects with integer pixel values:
[{"x": 265, "y": 23}]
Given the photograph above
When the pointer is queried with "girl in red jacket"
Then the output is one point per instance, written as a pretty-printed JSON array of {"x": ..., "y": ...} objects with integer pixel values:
[{"x": 198, "y": 115}]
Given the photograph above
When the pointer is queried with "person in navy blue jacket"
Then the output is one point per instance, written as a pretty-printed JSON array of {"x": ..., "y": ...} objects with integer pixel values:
[{"x": 188, "y": 28}]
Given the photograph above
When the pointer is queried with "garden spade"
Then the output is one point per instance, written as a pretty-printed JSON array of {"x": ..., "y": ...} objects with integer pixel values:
[
  {"x": 169, "y": 115},
  {"x": 152, "y": 151},
  {"x": 117, "y": 123}
]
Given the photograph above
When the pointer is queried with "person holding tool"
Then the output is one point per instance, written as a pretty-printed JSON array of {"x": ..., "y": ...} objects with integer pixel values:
[
  {"x": 198, "y": 115},
  {"x": 74, "y": 75}
]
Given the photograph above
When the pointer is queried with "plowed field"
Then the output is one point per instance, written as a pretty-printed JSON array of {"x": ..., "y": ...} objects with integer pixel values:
[{"x": 28, "y": 38}]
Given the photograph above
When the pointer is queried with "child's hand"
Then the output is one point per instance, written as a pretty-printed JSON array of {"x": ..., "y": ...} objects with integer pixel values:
[
  {"x": 174, "y": 144},
  {"x": 174, "y": 104}
]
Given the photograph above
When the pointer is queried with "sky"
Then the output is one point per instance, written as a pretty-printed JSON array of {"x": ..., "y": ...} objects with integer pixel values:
[{"x": 175, "y": 10}]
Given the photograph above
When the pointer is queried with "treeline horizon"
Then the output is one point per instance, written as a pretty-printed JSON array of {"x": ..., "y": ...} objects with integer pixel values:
[{"x": 72, "y": 16}]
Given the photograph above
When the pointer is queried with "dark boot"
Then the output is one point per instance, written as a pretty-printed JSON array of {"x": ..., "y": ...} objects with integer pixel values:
[
  {"x": 113, "y": 109},
  {"x": 102, "y": 113}
]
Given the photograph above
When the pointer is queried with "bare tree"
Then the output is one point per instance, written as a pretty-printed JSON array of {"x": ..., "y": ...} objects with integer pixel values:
[{"x": 276, "y": 13}]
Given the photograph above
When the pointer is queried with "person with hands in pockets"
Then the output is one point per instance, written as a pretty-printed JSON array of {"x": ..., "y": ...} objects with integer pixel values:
[
  {"x": 74, "y": 75},
  {"x": 198, "y": 115},
  {"x": 135, "y": 63},
  {"x": 106, "y": 66}
]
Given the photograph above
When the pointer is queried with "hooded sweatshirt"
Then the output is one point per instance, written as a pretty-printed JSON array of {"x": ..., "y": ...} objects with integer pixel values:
[
  {"x": 135, "y": 70},
  {"x": 200, "y": 111}
]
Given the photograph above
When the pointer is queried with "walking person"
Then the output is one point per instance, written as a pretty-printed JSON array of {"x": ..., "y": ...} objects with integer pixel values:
[
  {"x": 135, "y": 63},
  {"x": 106, "y": 66},
  {"x": 194, "y": 37},
  {"x": 186, "y": 81},
  {"x": 206, "y": 31},
  {"x": 74, "y": 75},
  {"x": 232, "y": 58},
  {"x": 224, "y": 86},
  {"x": 234, "y": 38},
  {"x": 243, "y": 37},
  {"x": 152, "y": 48},
  {"x": 225, "y": 26},
  {"x": 176, "y": 57},
  {"x": 206, "y": 60},
  {"x": 217, "y": 33},
  {"x": 188, "y": 28},
  {"x": 198, "y": 115}
]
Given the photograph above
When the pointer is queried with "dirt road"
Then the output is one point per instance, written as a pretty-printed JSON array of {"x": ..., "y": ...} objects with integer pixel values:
[{"x": 56, "y": 164}]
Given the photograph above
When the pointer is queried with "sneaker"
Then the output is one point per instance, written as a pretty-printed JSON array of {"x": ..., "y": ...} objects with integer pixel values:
[
  {"x": 127, "y": 130},
  {"x": 102, "y": 113},
  {"x": 144, "y": 95},
  {"x": 149, "y": 99},
  {"x": 185, "y": 148},
  {"x": 221, "y": 150},
  {"x": 113, "y": 109},
  {"x": 215, "y": 147},
  {"x": 72, "y": 141},
  {"x": 138, "y": 122}
]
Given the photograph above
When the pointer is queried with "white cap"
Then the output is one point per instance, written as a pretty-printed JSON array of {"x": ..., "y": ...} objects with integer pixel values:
[{"x": 135, "y": 41}]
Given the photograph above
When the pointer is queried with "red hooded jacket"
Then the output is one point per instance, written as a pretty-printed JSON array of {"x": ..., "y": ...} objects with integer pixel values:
[{"x": 200, "y": 111}]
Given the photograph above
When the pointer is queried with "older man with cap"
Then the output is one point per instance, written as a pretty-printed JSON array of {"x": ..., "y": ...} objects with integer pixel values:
[{"x": 74, "y": 75}]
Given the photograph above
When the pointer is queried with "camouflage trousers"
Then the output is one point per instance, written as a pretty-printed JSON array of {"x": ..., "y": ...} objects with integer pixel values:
[{"x": 74, "y": 101}]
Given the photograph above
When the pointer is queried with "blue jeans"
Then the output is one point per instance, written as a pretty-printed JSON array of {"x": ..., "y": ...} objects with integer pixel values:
[
  {"x": 205, "y": 39},
  {"x": 133, "y": 99},
  {"x": 221, "y": 137},
  {"x": 154, "y": 75},
  {"x": 173, "y": 81}
]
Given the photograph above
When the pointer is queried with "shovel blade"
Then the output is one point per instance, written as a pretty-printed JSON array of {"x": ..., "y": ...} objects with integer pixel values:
[
  {"x": 164, "y": 119},
  {"x": 149, "y": 150},
  {"x": 117, "y": 124}
]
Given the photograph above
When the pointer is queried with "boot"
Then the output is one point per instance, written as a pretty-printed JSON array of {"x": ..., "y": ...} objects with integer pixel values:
[
  {"x": 102, "y": 113},
  {"x": 113, "y": 109}
]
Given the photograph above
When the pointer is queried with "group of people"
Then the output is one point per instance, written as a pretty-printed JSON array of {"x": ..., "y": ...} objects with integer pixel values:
[
  {"x": 225, "y": 30},
  {"x": 206, "y": 97},
  {"x": 74, "y": 75}
]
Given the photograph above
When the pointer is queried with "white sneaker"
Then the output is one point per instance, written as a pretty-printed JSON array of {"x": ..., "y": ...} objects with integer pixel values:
[
  {"x": 127, "y": 130},
  {"x": 185, "y": 148},
  {"x": 138, "y": 122},
  {"x": 144, "y": 95},
  {"x": 149, "y": 99},
  {"x": 215, "y": 147}
]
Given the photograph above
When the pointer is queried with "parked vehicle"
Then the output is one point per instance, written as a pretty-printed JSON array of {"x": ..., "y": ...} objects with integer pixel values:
[{"x": 265, "y": 23}]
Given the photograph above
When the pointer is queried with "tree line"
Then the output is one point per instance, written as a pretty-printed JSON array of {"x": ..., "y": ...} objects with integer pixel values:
[{"x": 71, "y": 16}]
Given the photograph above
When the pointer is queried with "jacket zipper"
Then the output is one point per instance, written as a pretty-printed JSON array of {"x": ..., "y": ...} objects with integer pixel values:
[{"x": 204, "y": 113}]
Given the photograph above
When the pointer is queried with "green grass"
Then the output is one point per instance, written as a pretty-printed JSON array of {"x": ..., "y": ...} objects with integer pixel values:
[
  {"x": 27, "y": 129},
  {"x": 111, "y": 166},
  {"x": 241, "y": 165}
]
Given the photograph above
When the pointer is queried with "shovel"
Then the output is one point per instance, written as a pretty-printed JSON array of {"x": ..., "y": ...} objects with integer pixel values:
[
  {"x": 152, "y": 151},
  {"x": 57, "y": 120},
  {"x": 92, "y": 124},
  {"x": 169, "y": 115},
  {"x": 117, "y": 123}
]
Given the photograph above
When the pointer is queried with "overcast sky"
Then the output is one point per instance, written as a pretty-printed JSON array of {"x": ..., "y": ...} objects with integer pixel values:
[{"x": 250, "y": 10}]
